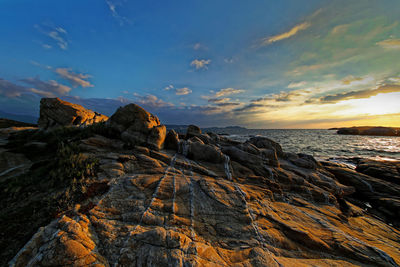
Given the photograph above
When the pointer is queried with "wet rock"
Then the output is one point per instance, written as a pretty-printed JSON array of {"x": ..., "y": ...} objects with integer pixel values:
[
  {"x": 55, "y": 112},
  {"x": 138, "y": 127}
]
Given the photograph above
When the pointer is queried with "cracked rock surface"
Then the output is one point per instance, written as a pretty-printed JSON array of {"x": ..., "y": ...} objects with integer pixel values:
[{"x": 164, "y": 209}]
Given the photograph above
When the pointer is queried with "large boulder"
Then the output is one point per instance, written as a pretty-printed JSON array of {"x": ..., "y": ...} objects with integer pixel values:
[
  {"x": 172, "y": 140},
  {"x": 55, "y": 112},
  {"x": 192, "y": 130},
  {"x": 138, "y": 127}
]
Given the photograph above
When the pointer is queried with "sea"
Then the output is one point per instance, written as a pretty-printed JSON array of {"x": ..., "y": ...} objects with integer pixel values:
[{"x": 325, "y": 144}]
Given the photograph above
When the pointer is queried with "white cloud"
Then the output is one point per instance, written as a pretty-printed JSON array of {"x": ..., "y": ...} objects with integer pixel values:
[
  {"x": 197, "y": 46},
  {"x": 169, "y": 87},
  {"x": 47, "y": 89},
  {"x": 227, "y": 91},
  {"x": 46, "y": 46},
  {"x": 57, "y": 34},
  {"x": 76, "y": 79},
  {"x": 200, "y": 64},
  {"x": 296, "y": 85},
  {"x": 285, "y": 35},
  {"x": 152, "y": 101},
  {"x": 112, "y": 5},
  {"x": 183, "y": 91}
]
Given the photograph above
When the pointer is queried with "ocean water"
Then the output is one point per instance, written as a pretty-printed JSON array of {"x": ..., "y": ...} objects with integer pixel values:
[{"x": 325, "y": 144}]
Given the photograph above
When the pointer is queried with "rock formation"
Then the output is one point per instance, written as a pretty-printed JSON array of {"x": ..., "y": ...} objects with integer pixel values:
[
  {"x": 377, "y": 131},
  {"x": 54, "y": 113},
  {"x": 138, "y": 127},
  {"x": 211, "y": 201}
]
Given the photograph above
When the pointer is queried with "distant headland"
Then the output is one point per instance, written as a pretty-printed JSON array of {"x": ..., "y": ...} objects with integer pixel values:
[{"x": 368, "y": 130}]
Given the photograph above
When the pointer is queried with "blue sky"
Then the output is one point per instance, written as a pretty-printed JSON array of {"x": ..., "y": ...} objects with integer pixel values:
[{"x": 260, "y": 64}]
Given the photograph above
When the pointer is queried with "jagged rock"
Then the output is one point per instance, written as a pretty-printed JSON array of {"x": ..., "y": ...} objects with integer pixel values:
[
  {"x": 168, "y": 211},
  {"x": 263, "y": 142},
  {"x": 54, "y": 112},
  {"x": 385, "y": 170},
  {"x": 199, "y": 151},
  {"x": 305, "y": 161},
  {"x": 251, "y": 161},
  {"x": 195, "y": 139},
  {"x": 192, "y": 130},
  {"x": 217, "y": 202},
  {"x": 383, "y": 195},
  {"x": 172, "y": 140},
  {"x": 138, "y": 127}
]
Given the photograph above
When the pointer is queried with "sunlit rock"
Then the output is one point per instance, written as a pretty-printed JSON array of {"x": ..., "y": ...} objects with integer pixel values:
[{"x": 55, "y": 112}]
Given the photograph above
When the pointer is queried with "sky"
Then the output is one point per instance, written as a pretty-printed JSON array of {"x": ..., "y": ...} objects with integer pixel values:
[{"x": 257, "y": 64}]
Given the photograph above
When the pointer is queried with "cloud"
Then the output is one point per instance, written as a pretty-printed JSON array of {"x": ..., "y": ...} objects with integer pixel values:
[
  {"x": 169, "y": 87},
  {"x": 57, "y": 34},
  {"x": 340, "y": 29},
  {"x": 206, "y": 109},
  {"x": 295, "y": 85},
  {"x": 252, "y": 107},
  {"x": 228, "y": 104},
  {"x": 152, "y": 101},
  {"x": 76, "y": 79},
  {"x": 46, "y": 46},
  {"x": 228, "y": 91},
  {"x": 219, "y": 100},
  {"x": 351, "y": 79},
  {"x": 112, "y": 5},
  {"x": 387, "y": 88},
  {"x": 42, "y": 88},
  {"x": 10, "y": 89},
  {"x": 183, "y": 91},
  {"x": 200, "y": 64},
  {"x": 285, "y": 35},
  {"x": 390, "y": 44},
  {"x": 229, "y": 60},
  {"x": 46, "y": 89}
]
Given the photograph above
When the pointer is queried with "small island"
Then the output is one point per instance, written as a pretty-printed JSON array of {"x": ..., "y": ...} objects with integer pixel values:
[{"x": 369, "y": 130}]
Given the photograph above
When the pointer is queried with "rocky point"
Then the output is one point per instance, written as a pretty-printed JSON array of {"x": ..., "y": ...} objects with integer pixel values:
[{"x": 202, "y": 199}]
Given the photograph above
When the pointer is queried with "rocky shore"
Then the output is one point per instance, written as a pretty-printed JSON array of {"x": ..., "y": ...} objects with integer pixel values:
[
  {"x": 367, "y": 130},
  {"x": 147, "y": 197}
]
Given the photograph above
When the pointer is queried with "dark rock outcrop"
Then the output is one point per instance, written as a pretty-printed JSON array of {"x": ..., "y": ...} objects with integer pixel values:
[
  {"x": 192, "y": 130},
  {"x": 55, "y": 113},
  {"x": 263, "y": 142},
  {"x": 172, "y": 140},
  {"x": 365, "y": 130}
]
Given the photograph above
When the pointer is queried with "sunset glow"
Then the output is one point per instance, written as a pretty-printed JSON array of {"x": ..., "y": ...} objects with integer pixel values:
[{"x": 276, "y": 65}]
